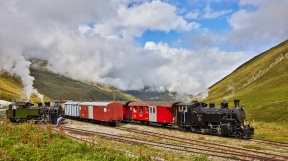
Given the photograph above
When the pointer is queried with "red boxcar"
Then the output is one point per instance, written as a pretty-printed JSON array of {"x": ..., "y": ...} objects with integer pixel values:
[
  {"x": 107, "y": 112},
  {"x": 127, "y": 112},
  {"x": 157, "y": 112}
]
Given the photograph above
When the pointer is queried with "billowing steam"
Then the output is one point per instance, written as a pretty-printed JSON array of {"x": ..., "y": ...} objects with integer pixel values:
[{"x": 95, "y": 41}]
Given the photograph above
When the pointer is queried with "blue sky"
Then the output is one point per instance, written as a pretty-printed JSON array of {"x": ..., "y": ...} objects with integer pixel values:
[
  {"x": 212, "y": 17},
  {"x": 176, "y": 45},
  {"x": 198, "y": 11}
]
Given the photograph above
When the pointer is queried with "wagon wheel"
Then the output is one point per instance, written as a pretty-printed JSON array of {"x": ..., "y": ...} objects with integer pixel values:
[{"x": 164, "y": 125}]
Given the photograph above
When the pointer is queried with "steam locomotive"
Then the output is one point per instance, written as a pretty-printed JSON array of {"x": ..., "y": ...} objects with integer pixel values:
[
  {"x": 223, "y": 121},
  {"x": 19, "y": 112}
]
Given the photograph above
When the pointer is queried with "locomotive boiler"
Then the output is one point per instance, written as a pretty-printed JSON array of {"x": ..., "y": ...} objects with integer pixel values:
[
  {"x": 224, "y": 121},
  {"x": 26, "y": 111}
]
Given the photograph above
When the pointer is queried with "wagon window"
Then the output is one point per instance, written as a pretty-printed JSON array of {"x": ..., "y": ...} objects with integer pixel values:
[
  {"x": 185, "y": 108},
  {"x": 153, "y": 109},
  {"x": 150, "y": 109},
  {"x": 146, "y": 109},
  {"x": 141, "y": 109},
  {"x": 134, "y": 109}
]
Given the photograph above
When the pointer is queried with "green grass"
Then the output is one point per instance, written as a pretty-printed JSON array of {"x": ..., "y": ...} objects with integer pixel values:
[
  {"x": 261, "y": 85},
  {"x": 31, "y": 142},
  {"x": 271, "y": 131}
]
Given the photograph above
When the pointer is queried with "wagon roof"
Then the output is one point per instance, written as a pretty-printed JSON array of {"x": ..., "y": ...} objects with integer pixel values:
[
  {"x": 95, "y": 103},
  {"x": 156, "y": 103},
  {"x": 71, "y": 103},
  {"x": 124, "y": 102}
]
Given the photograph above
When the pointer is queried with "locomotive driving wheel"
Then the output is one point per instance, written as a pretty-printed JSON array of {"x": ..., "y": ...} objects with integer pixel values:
[
  {"x": 238, "y": 135},
  {"x": 219, "y": 130}
]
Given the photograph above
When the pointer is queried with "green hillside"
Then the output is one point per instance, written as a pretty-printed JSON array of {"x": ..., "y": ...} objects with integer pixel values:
[
  {"x": 261, "y": 85},
  {"x": 55, "y": 86},
  {"x": 153, "y": 95},
  {"x": 10, "y": 87}
]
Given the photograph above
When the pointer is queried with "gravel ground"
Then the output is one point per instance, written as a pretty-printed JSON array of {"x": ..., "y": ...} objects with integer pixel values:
[
  {"x": 186, "y": 135},
  {"x": 2, "y": 113}
]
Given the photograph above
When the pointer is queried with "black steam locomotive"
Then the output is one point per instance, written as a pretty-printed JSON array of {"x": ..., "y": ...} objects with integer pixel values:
[
  {"x": 25, "y": 111},
  {"x": 224, "y": 121}
]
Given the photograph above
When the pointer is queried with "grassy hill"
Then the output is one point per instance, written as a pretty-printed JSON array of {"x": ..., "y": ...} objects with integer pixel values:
[
  {"x": 153, "y": 95},
  {"x": 55, "y": 86},
  {"x": 260, "y": 83},
  {"x": 10, "y": 87},
  {"x": 262, "y": 86}
]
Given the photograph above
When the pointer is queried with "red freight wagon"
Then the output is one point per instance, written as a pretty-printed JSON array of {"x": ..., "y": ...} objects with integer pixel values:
[
  {"x": 104, "y": 112},
  {"x": 127, "y": 112},
  {"x": 157, "y": 112}
]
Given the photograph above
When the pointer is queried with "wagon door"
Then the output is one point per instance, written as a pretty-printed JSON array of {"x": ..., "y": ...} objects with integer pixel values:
[
  {"x": 90, "y": 112},
  {"x": 152, "y": 113},
  {"x": 182, "y": 115}
]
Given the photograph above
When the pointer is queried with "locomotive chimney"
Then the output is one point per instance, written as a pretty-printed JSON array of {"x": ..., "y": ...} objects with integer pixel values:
[
  {"x": 224, "y": 104},
  {"x": 236, "y": 103},
  {"x": 211, "y": 104}
]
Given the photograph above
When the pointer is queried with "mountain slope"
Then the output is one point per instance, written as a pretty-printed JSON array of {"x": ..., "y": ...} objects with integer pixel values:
[
  {"x": 10, "y": 87},
  {"x": 55, "y": 86},
  {"x": 261, "y": 84}
]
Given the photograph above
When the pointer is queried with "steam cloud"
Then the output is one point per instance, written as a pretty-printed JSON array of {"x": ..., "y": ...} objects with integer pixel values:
[{"x": 95, "y": 41}]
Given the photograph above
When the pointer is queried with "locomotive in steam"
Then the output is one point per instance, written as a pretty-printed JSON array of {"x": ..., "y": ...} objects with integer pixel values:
[
  {"x": 25, "y": 111},
  {"x": 224, "y": 121}
]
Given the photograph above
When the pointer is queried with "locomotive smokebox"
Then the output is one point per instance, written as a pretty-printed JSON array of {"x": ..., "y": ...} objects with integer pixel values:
[{"x": 236, "y": 103}]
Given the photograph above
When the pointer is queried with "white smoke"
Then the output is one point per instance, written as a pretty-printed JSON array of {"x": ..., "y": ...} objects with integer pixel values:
[
  {"x": 15, "y": 63},
  {"x": 202, "y": 95}
]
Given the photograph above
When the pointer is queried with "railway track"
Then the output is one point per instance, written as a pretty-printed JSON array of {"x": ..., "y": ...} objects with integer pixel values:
[
  {"x": 275, "y": 143},
  {"x": 267, "y": 142},
  {"x": 187, "y": 146},
  {"x": 221, "y": 147}
]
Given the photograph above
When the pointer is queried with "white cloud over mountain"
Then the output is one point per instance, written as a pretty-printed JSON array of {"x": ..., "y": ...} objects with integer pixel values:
[{"x": 96, "y": 41}]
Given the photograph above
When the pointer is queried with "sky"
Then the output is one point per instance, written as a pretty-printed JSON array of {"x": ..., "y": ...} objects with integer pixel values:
[{"x": 183, "y": 46}]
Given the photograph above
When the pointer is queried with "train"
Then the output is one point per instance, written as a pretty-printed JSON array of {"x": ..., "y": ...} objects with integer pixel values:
[
  {"x": 195, "y": 116},
  {"x": 19, "y": 112}
]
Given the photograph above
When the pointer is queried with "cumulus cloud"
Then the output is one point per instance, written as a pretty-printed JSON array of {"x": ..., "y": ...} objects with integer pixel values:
[
  {"x": 259, "y": 23},
  {"x": 86, "y": 40},
  {"x": 94, "y": 41},
  {"x": 255, "y": 27},
  {"x": 133, "y": 21}
]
